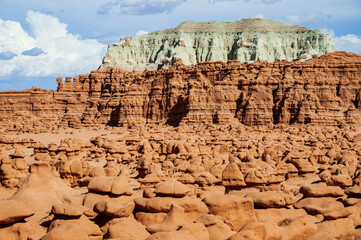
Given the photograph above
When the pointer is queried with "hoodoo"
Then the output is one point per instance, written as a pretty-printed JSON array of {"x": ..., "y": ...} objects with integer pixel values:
[
  {"x": 322, "y": 91},
  {"x": 196, "y": 150}
]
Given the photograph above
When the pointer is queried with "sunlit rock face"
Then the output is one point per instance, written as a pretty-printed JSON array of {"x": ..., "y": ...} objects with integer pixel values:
[
  {"x": 192, "y": 42},
  {"x": 321, "y": 91}
]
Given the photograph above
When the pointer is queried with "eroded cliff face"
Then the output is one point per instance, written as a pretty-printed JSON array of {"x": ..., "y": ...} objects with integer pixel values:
[
  {"x": 246, "y": 40},
  {"x": 323, "y": 91}
]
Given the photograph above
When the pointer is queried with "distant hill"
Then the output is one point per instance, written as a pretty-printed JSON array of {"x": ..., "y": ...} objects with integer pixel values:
[{"x": 192, "y": 42}]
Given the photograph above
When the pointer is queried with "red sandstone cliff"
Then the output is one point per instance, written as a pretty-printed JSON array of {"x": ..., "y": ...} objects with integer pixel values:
[{"x": 325, "y": 90}]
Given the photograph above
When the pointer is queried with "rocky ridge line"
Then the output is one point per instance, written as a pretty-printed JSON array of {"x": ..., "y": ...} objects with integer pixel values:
[{"x": 322, "y": 91}]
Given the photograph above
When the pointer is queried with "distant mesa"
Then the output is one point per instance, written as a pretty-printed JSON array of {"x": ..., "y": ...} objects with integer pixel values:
[{"x": 247, "y": 40}]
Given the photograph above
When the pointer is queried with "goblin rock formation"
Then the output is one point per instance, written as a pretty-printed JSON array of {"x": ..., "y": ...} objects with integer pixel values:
[
  {"x": 215, "y": 182},
  {"x": 212, "y": 151},
  {"x": 246, "y": 40},
  {"x": 322, "y": 91}
]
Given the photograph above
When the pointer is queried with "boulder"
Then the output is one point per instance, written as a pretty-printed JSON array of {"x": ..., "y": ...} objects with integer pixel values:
[
  {"x": 113, "y": 185},
  {"x": 173, "y": 188},
  {"x": 321, "y": 190},
  {"x": 126, "y": 229},
  {"x": 193, "y": 207},
  {"x": 68, "y": 210},
  {"x": 234, "y": 209},
  {"x": 114, "y": 209},
  {"x": 175, "y": 219},
  {"x": 316, "y": 206},
  {"x": 267, "y": 199},
  {"x": 232, "y": 176}
]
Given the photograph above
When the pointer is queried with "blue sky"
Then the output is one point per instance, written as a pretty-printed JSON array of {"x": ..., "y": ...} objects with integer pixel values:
[{"x": 41, "y": 40}]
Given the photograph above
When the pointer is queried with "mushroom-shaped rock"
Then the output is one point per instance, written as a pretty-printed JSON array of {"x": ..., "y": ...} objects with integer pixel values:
[
  {"x": 321, "y": 190},
  {"x": 232, "y": 176},
  {"x": 193, "y": 207},
  {"x": 112, "y": 209},
  {"x": 342, "y": 213},
  {"x": 150, "y": 179},
  {"x": 91, "y": 199},
  {"x": 316, "y": 206},
  {"x": 206, "y": 178},
  {"x": 172, "y": 187},
  {"x": 41, "y": 189},
  {"x": 186, "y": 179},
  {"x": 233, "y": 209},
  {"x": 114, "y": 185},
  {"x": 68, "y": 210},
  {"x": 303, "y": 165},
  {"x": 174, "y": 219},
  {"x": 286, "y": 168},
  {"x": 341, "y": 180},
  {"x": 267, "y": 199},
  {"x": 254, "y": 177}
]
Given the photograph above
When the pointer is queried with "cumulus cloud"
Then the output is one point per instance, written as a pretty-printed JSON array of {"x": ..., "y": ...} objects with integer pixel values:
[
  {"x": 348, "y": 42},
  {"x": 138, "y": 7},
  {"x": 50, "y": 50},
  {"x": 13, "y": 38}
]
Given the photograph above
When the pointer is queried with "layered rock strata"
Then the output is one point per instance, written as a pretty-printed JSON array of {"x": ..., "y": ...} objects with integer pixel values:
[
  {"x": 246, "y": 40},
  {"x": 323, "y": 91}
]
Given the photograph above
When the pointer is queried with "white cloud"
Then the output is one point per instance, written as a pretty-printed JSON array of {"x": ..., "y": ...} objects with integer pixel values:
[
  {"x": 62, "y": 52},
  {"x": 141, "y": 32},
  {"x": 45, "y": 26},
  {"x": 348, "y": 42},
  {"x": 138, "y": 7},
  {"x": 7, "y": 67},
  {"x": 13, "y": 38}
]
